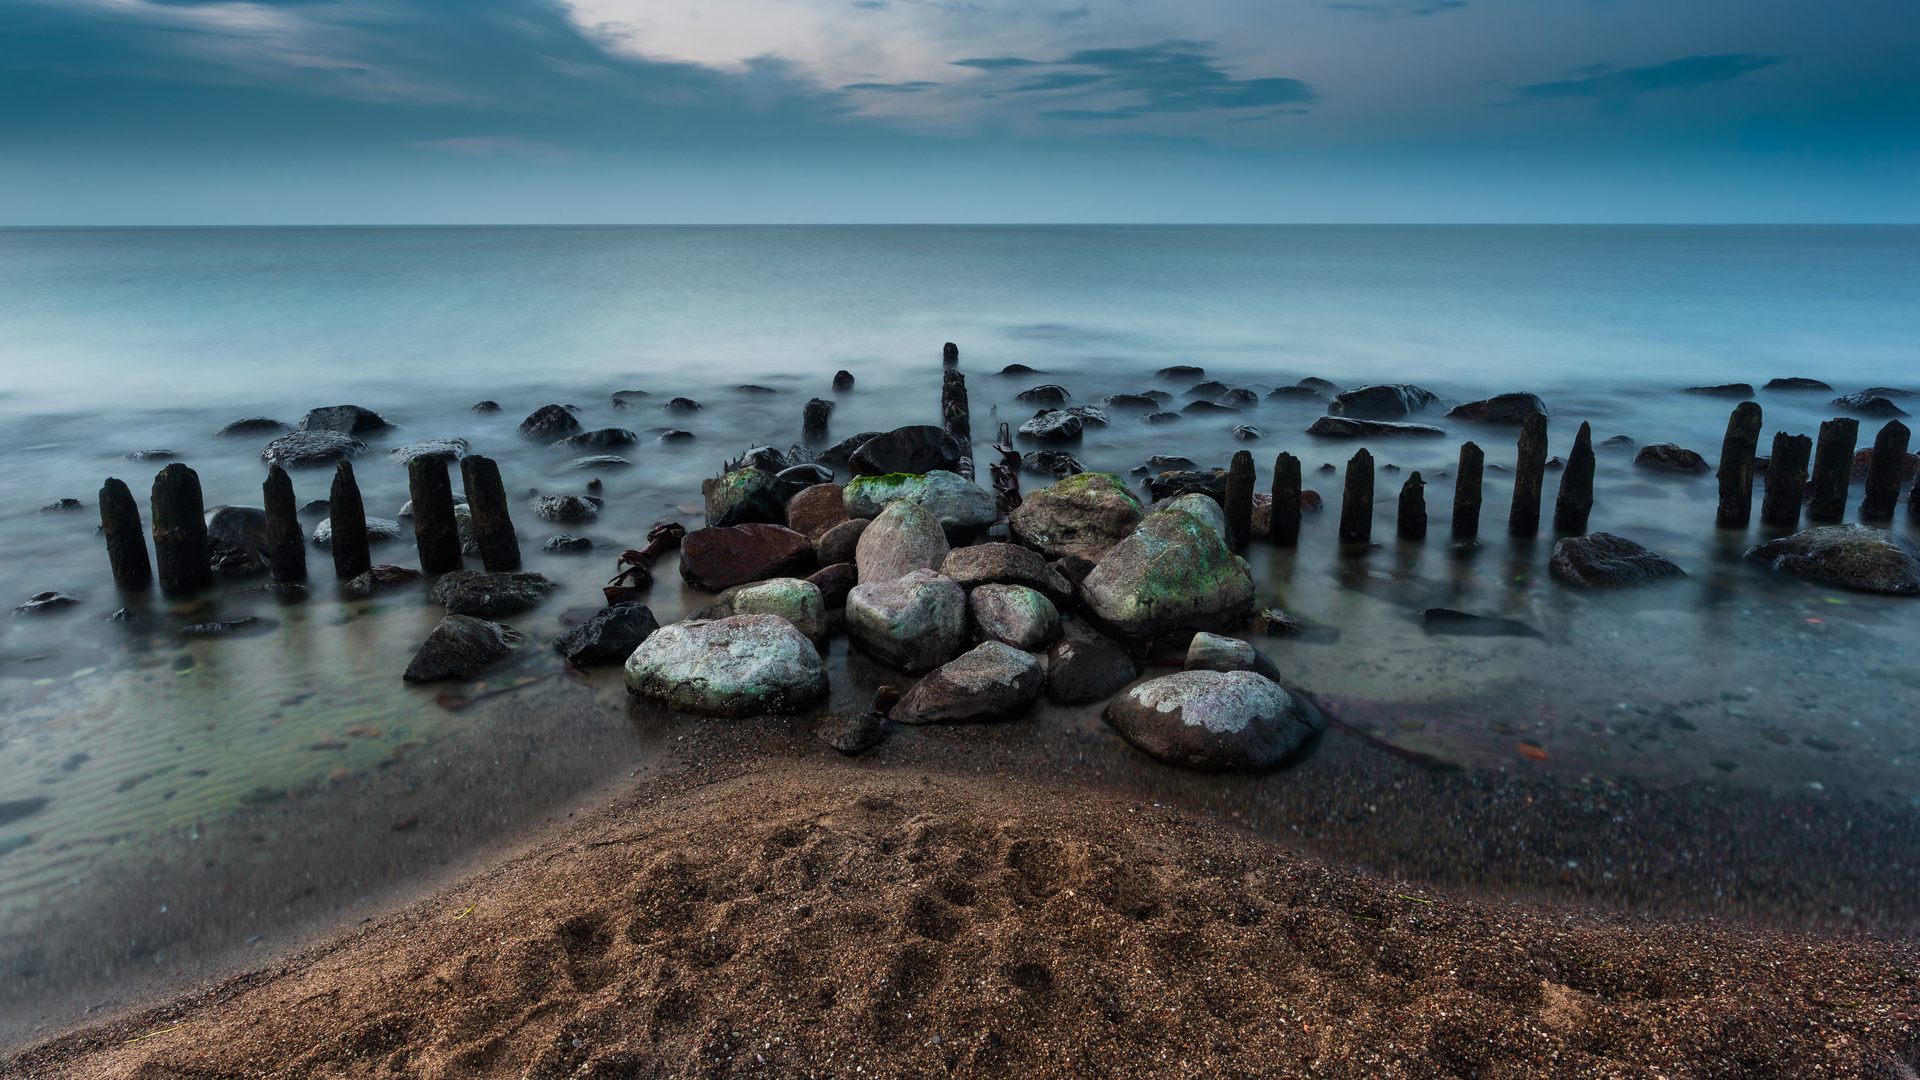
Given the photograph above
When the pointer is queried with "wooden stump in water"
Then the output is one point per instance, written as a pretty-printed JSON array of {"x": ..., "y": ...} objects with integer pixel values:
[
  {"x": 185, "y": 562},
  {"x": 286, "y": 542},
  {"x": 1356, "y": 505},
  {"x": 1466, "y": 492},
  {"x": 492, "y": 525},
  {"x": 436, "y": 531},
  {"x": 813, "y": 418},
  {"x": 1239, "y": 503},
  {"x": 1786, "y": 480},
  {"x": 1832, "y": 469},
  {"x": 1883, "y": 475},
  {"x": 1413, "y": 508},
  {"x": 347, "y": 519},
  {"x": 954, "y": 417},
  {"x": 1284, "y": 526},
  {"x": 1736, "y": 465},
  {"x": 126, "y": 540},
  {"x": 950, "y": 354},
  {"x": 1575, "y": 501},
  {"x": 1529, "y": 477}
]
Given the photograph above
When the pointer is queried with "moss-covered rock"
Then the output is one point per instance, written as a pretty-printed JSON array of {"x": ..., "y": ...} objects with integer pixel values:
[
  {"x": 744, "y": 497},
  {"x": 1174, "y": 570},
  {"x": 962, "y": 507},
  {"x": 1081, "y": 515},
  {"x": 1014, "y": 614},
  {"x": 915, "y": 623},
  {"x": 904, "y": 538},
  {"x": 743, "y": 666}
]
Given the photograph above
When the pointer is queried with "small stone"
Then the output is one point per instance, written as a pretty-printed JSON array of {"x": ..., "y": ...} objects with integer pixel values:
[
  {"x": 841, "y": 544},
  {"x": 300, "y": 449},
  {"x": 683, "y": 405},
  {"x": 1049, "y": 394},
  {"x": 488, "y": 407},
  {"x": 842, "y": 381},
  {"x": 1217, "y": 652},
  {"x": 473, "y": 592},
  {"x": 252, "y": 426},
  {"x": 1014, "y": 614},
  {"x": 914, "y": 623},
  {"x": 1180, "y": 371},
  {"x": 567, "y": 545},
  {"x": 1200, "y": 408},
  {"x": 1795, "y": 383},
  {"x": 376, "y": 577},
  {"x": 850, "y": 733},
  {"x": 742, "y": 666},
  {"x": 1082, "y": 669},
  {"x": 64, "y": 506},
  {"x": 1668, "y": 457},
  {"x": 599, "y": 439},
  {"x": 1605, "y": 561},
  {"x": 1056, "y": 425},
  {"x": 675, "y": 435},
  {"x": 1499, "y": 409},
  {"x": 754, "y": 389},
  {"x": 1215, "y": 720},
  {"x": 1726, "y": 390},
  {"x": 460, "y": 647},
  {"x": 597, "y": 463},
  {"x": 1248, "y": 433},
  {"x": 150, "y": 455},
  {"x": 226, "y": 627},
  {"x": 1238, "y": 399},
  {"x": 1129, "y": 401},
  {"x": 44, "y": 602},
  {"x": 993, "y": 681},
  {"x": 609, "y": 636},
  {"x": 563, "y": 509},
  {"x": 1161, "y": 418},
  {"x": 1055, "y": 463},
  {"x": 1383, "y": 401}
]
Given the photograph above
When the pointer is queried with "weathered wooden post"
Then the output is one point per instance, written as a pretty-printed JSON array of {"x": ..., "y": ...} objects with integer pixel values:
[
  {"x": 1786, "y": 480},
  {"x": 347, "y": 520},
  {"x": 1239, "y": 504},
  {"x": 1736, "y": 465},
  {"x": 1529, "y": 477},
  {"x": 1283, "y": 528},
  {"x": 1412, "y": 523},
  {"x": 126, "y": 541},
  {"x": 286, "y": 542},
  {"x": 1575, "y": 502},
  {"x": 436, "y": 529},
  {"x": 950, "y": 354},
  {"x": 1883, "y": 475},
  {"x": 954, "y": 417},
  {"x": 1466, "y": 492},
  {"x": 180, "y": 546},
  {"x": 813, "y": 418},
  {"x": 842, "y": 380},
  {"x": 492, "y": 525},
  {"x": 1356, "y": 505},
  {"x": 1913, "y": 499},
  {"x": 1833, "y": 469}
]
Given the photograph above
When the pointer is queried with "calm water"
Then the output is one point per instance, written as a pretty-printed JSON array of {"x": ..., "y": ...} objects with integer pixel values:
[{"x": 301, "y": 766}]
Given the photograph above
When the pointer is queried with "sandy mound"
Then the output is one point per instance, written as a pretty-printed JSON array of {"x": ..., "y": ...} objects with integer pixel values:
[{"x": 811, "y": 920}]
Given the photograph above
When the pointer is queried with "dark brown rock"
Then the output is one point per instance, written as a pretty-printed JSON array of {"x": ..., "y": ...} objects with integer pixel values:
[
  {"x": 1344, "y": 427},
  {"x": 835, "y": 582},
  {"x": 1499, "y": 409},
  {"x": 1671, "y": 458},
  {"x": 461, "y": 646},
  {"x": 716, "y": 559},
  {"x": 1383, "y": 401},
  {"x": 1605, "y": 561},
  {"x": 1851, "y": 556},
  {"x": 376, "y": 577},
  {"x": 840, "y": 543},
  {"x": 1006, "y": 564},
  {"x": 917, "y": 449},
  {"x": 816, "y": 509}
]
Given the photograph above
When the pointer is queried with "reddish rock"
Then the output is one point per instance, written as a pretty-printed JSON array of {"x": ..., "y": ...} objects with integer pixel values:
[
  {"x": 1863, "y": 460},
  {"x": 816, "y": 509},
  {"x": 834, "y": 582},
  {"x": 716, "y": 559}
]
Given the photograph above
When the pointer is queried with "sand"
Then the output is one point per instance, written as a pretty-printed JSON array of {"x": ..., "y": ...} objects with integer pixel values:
[{"x": 785, "y": 917}]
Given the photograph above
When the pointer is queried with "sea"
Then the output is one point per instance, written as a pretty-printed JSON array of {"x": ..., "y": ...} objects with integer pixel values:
[{"x": 168, "y": 806}]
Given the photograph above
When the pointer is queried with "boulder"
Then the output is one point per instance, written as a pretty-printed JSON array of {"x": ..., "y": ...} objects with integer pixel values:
[
  {"x": 1248, "y": 433},
  {"x": 1181, "y": 371},
  {"x": 563, "y": 509},
  {"x": 1850, "y": 556},
  {"x": 443, "y": 449},
  {"x": 1055, "y": 463},
  {"x": 1005, "y": 564},
  {"x": 1200, "y": 506},
  {"x": 1081, "y": 668},
  {"x": 718, "y": 559},
  {"x": 1048, "y": 394},
  {"x": 1217, "y": 652},
  {"x": 1199, "y": 408},
  {"x": 797, "y": 601},
  {"x": 1014, "y": 614},
  {"x": 1055, "y": 425},
  {"x": 1172, "y": 485},
  {"x": 567, "y": 545},
  {"x": 379, "y": 531},
  {"x": 746, "y": 665},
  {"x": 597, "y": 463},
  {"x": 841, "y": 543},
  {"x": 600, "y": 439},
  {"x": 991, "y": 682},
  {"x": 962, "y": 507},
  {"x": 805, "y": 474},
  {"x": 1081, "y": 515},
  {"x": 1215, "y": 720},
  {"x": 42, "y": 603},
  {"x": 1726, "y": 390},
  {"x": 1130, "y": 402},
  {"x": 683, "y": 405},
  {"x": 1796, "y": 383},
  {"x": 302, "y": 449},
  {"x": 1668, "y": 457},
  {"x": 1173, "y": 571},
  {"x": 1210, "y": 388},
  {"x": 548, "y": 423},
  {"x": 1090, "y": 415},
  {"x": 919, "y": 448},
  {"x": 237, "y": 539},
  {"x": 376, "y": 577},
  {"x": 345, "y": 419},
  {"x": 609, "y": 636},
  {"x": 1382, "y": 401},
  {"x": 1499, "y": 409},
  {"x": 744, "y": 497},
  {"x": 473, "y": 592},
  {"x": 814, "y": 510},
  {"x": 1876, "y": 402},
  {"x": 673, "y": 435},
  {"x": 914, "y": 623},
  {"x": 835, "y": 581},
  {"x": 253, "y": 425},
  {"x": 1605, "y": 561},
  {"x": 494, "y": 406},
  {"x": 841, "y": 453},
  {"x": 460, "y": 647},
  {"x": 1161, "y": 418},
  {"x": 1342, "y": 427},
  {"x": 904, "y": 538}
]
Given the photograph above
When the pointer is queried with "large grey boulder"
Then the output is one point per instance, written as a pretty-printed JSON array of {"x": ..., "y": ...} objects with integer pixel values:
[
  {"x": 963, "y": 507},
  {"x": 904, "y": 538},
  {"x": 1081, "y": 515},
  {"x": 798, "y": 601},
  {"x": 1082, "y": 669},
  {"x": 1605, "y": 561},
  {"x": 1174, "y": 571},
  {"x": 915, "y": 623},
  {"x": 1382, "y": 401},
  {"x": 991, "y": 682},
  {"x": 1014, "y": 614},
  {"x": 1200, "y": 506},
  {"x": 743, "y": 666},
  {"x": 744, "y": 496},
  {"x": 460, "y": 647},
  {"x": 1006, "y": 564},
  {"x": 608, "y": 637},
  {"x": 1850, "y": 556},
  {"x": 471, "y": 592},
  {"x": 1215, "y": 720},
  {"x": 304, "y": 449}
]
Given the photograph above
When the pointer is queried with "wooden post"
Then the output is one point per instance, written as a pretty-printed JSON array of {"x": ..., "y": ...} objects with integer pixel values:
[
  {"x": 1466, "y": 492},
  {"x": 436, "y": 531},
  {"x": 813, "y": 418},
  {"x": 1413, "y": 508},
  {"x": 1284, "y": 526},
  {"x": 1736, "y": 465},
  {"x": 492, "y": 526},
  {"x": 126, "y": 540},
  {"x": 286, "y": 543},
  {"x": 842, "y": 381},
  {"x": 1239, "y": 504},
  {"x": 347, "y": 518},
  {"x": 1786, "y": 480},
  {"x": 1833, "y": 469},
  {"x": 1883, "y": 475},
  {"x": 180, "y": 531},
  {"x": 1356, "y": 506},
  {"x": 1529, "y": 477},
  {"x": 950, "y": 354},
  {"x": 954, "y": 417},
  {"x": 1575, "y": 502}
]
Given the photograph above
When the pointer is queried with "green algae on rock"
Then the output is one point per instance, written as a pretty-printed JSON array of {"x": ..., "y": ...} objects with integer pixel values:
[
  {"x": 1174, "y": 570},
  {"x": 962, "y": 506},
  {"x": 746, "y": 665},
  {"x": 1084, "y": 514},
  {"x": 915, "y": 623},
  {"x": 743, "y": 497}
]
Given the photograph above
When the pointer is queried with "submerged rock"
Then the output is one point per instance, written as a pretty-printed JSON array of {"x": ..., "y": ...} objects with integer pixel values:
[
  {"x": 494, "y": 406},
  {"x": 379, "y": 531},
  {"x": 718, "y": 559},
  {"x": 1173, "y": 571},
  {"x": 962, "y": 507},
  {"x": 1014, "y": 614},
  {"x": 597, "y": 463},
  {"x": 1341, "y": 427},
  {"x": 1875, "y": 402},
  {"x": 346, "y": 419},
  {"x": 563, "y": 509},
  {"x": 150, "y": 455},
  {"x": 301, "y": 449},
  {"x": 1049, "y": 394},
  {"x": 1248, "y": 433},
  {"x": 683, "y": 405},
  {"x": 549, "y": 422},
  {"x": 460, "y": 647},
  {"x": 1181, "y": 371},
  {"x": 1090, "y": 415},
  {"x": 221, "y": 628},
  {"x": 1796, "y": 383},
  {"x": 1449, "y": 622},
  {"x": 918, "y": 448},
  {"x": 1215, "y": 720},
  {"x": 1297, "y": 392},
  {"x": 253, "y": 425},
  {"x": 1172, "y": 485},
  {"x": 1161, "y": 418},
  {"x": 599, "y": 439},
  {"x": 237, "y": 539},
  {"x": 914, "y": 623},
  {"x": 1081, "y": 515},
  {"x": 904, "y": 538},
  {"x": 64, "y": 506},
  {"x": 1382, "y": 401},
  {"x": 443, "y": 449},
  {"x": 1056, "y": 425},
  {"x": 609, "y": 636},
  {"x": 1209, "y": 389},
  {"x": 1851, "y": 556},
  {"x": 674, "y": 435},
  {"x": 376, "y": 577},
  {"x": 1726, "y": 390},
  {"x": 1082, "y": 669},
  {"x": 472, "y": 592},
  {"x": 991, "y": 682},
  {"x": 742, "y": 497},
  {"x": 41, "y": 603},
  {"x": 406, "y": 508},
  {"x": 1500, "y": 409},
  {"x": 567, "y": 545},
  {"x": 1237, "y": 399},
  {"x": 1129, "y": 401},
  {"x": 1055, "y": 463},
  {"x": 1201, "y": 408},
  {"x": 1605, "y": 561},
  {"x": 742, "y": 666},
  {"x": 1671, "y": 458}
]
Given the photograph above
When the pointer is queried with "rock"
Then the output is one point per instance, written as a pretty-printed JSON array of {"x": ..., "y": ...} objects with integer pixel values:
[
  {"x": 1382, "y": 401},
  {"x": 841, "y": 453},
  {"x": 1056, "y": 425},
  {"x": 287, "y": 592},
  {"x": 797, "y": 601},
  {"x": 1090, "y": 415},
  {"x": 1129, "y": 401},
  {"x": 904, "y": 538},
  {"x": 1081, "y": 515},
  {"x": 1200, "y": 506},
  {"x": 600, "y": 439},
  {"x": 1081, "y": 668},
  {"x": 742, "y": 497},
  {"x": 1618, "y": 442},
  {"x": 299, "y": 449},
  {"x": 1169, "y": 485},
  {"x": 1180, "y": 371},
  {"x": 629, "y": 395},
  {"x": 842, "y": 542},
  {"x": 835, "y": 581},
  {"x": 42, "y": 603},
  {"x": 379, "y": 531},
  {"x": 1159, "y": 463},
  {"x": 683, "y": 405},
  {"x": 596, "y": 463},
  {"x": 64, "y": 506},
  {"x": 1019, "y": 369},
  {"x": 226, "y": 627},
  {"x": 1055, "y": 463},
  {"x": 674, "y": 435},
  {"x": 1198, "y": 408},
  {"x": 1850, "y": 556},
  {"x": 962, "y": 507},
  {"x": 1500, "y": 409},
  {"x": 1451, "y": 623},
  {"x": 1049, "y": 394},
  {"x": 1341, "y": 427},
  {"x": 1319, "y": 385},
  {"x": 150, "y": 455},
  {"x": 1726, "y": 390},
  {"x": 804, "y": 474},
  {"x": 1874, "y": 402},
  {"x": 742, "y": 666},
  {"x": 843, "y": 381},
  {"x": 816, "y": 509},
  {"x": 1212, "y": 388},
  {"x": 1215, "y": 720},
  {"x": 1014, "y": 614},
  {"x": 1795, "y": 384},
  {"x": 1247, "y": 433},
  {"x": 1173, "y": 571},
  {"x": 1074, "y": 570},
  {"x": 443, "y": 449},
  {"x": 563, "y": 509},
  {"x": 494, "y": 406},
  {"x": 991, "y": 682},
  {"x": 1217, "y": 652},
  {"x": 919, "y": 448},
  {"x": 406, "y": 508},
  {"x": 472, "y": 592},
  {"x": 567, "y": 545},
  {"x": 1671, "y": 458},
  {"x": 376, "y": 577},
  {"x": 460, "y": 647},
  {"x": 1284, "y": 392},
  {"x": 345, "y": 419},
  {"x": 718, "y": 559},
  {"x": 253, "y": 425},
  {"x": 321, "y": 507},
  {"x": 1238, "y": 399},
  {"x": 1161, "y": 418},
  {"x": 754, "y": 389},
  {"x": 548, "y": 423},
  {"x": 1005, "y": 564},
  {"x": 850, "y": 733},
  {"x": 914, "y": 623},
  {"x": 1605, "y": 561},
  {"x": 1862, "y": 463},
  {"x": 608, "y": 637},
  {"x": 237, "y": 539}
]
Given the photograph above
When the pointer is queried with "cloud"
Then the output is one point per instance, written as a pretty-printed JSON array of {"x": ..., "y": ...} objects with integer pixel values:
[
  {"x": 1401, "y": 7},
  {"x": 893, "y": 88},
  {"x": 995, "y": 63},
  {"x": 1626, "y": 83},
  {"x": 1172, "y": 77}
]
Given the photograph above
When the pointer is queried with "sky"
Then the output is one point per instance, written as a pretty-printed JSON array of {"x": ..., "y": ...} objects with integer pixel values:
[{"x": 169, "y": 112}]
